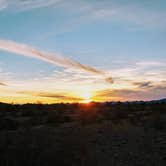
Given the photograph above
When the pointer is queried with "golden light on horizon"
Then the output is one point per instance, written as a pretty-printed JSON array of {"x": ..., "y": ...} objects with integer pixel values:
[{"x": 87, "y": 96}]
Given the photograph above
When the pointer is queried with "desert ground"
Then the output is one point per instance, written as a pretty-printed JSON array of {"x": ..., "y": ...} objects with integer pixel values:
[{"x": 118, "y": 141}]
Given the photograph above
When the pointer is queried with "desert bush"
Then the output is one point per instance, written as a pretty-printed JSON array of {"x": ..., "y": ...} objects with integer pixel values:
[{"x": 8, "y": 124}]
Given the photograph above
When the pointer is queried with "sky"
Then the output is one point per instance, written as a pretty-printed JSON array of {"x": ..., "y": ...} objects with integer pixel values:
[{"x": 82, "y": 50}]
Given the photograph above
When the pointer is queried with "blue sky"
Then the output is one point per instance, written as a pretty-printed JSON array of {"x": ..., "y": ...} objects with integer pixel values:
[{"x": 124, "y": 38}]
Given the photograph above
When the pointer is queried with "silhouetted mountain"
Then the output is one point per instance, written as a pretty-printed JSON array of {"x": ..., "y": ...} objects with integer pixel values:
[{"x": 159, "y": 101}]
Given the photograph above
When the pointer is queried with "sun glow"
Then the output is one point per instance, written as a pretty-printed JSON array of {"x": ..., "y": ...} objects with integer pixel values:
[{"x": 87, "y": 97}]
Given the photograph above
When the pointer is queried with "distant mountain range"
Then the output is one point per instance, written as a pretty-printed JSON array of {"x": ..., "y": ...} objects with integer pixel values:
[
  {"x": 151, "y": 101},
  {"x": 159, "y": 101}
]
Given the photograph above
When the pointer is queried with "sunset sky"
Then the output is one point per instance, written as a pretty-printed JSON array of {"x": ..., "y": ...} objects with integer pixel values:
[{"x": 68, "y": 50}]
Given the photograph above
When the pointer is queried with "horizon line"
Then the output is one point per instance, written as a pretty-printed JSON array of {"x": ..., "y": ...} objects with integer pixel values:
[{"x": 129, "y": 101}]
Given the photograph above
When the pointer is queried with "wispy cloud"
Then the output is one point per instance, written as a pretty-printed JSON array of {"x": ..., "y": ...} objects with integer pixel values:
[
  {"x": 150, "y": 63},
  {"x": 3, "y": 4},
  {"x": 19, "y": 5},
  {"x": 2, "y": 84},
  {"x": 53, "y": 58},
  {"x": 133, "y": 13},
  {"x": 130, "y": 95},
  {"x": 57, "y": 96},
  {"x": 31, "y": 4},
  {"x": 132, "y": 16},
  {"x": 146, "y": 84},
  {"x": 144, "y": 91}
]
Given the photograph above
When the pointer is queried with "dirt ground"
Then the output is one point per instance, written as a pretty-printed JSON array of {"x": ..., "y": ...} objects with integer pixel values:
[{"x": 90, "y": 145}]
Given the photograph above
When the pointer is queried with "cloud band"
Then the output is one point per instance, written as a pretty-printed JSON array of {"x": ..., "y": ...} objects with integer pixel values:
[{"x": 53, "y": 58}]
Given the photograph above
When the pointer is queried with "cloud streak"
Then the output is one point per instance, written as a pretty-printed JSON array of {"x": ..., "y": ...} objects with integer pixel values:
[
  {"x": 31, "y": 4},
  {"x": 132, "y": 12},
  {"x": 2, "y": 84},
  {"x": 145, "y": 91},
  {"x": 53, "y": 58},
  {"x": 57, "y": 96},
  {"x": 146, "y": 84},
  {"x": 3, "y": 4},
  {"x": 27, "y": 5}
]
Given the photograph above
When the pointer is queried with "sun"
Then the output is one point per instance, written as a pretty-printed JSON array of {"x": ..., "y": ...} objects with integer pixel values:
[{"x": 86, "y": 97}]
